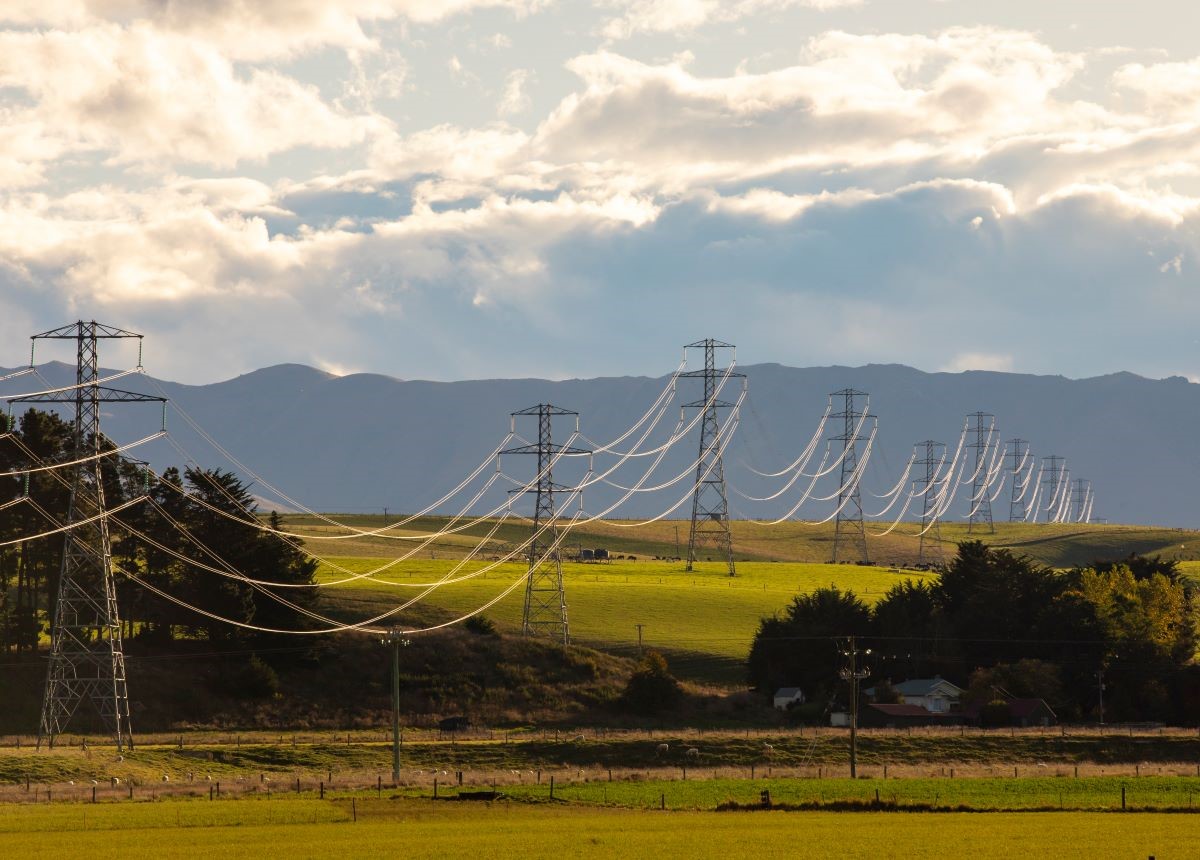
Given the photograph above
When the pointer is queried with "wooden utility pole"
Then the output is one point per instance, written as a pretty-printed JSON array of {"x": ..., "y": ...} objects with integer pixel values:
[{"x": 853, "y": 674}]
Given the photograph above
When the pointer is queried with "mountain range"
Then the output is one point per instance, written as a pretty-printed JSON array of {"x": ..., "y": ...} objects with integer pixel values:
[{"x": 366, "y": 442}]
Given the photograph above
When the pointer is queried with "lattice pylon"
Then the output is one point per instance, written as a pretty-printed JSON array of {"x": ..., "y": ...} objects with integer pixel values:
[
  {"x": 931, "y": 533},
  {"x": 980, "y": 503},
  {"x": 710, "y": 498},
  {"x": 545, "y": 610},
  {"x": 87, "y": 657},
  {"x": 848, "y": 524}
]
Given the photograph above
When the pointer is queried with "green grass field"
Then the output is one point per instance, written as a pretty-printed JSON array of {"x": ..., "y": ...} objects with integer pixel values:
[
  {"x": 408, "y": 828},
  {"x": 703, "y": 620},
  {"x": 1060, "y": 545}
]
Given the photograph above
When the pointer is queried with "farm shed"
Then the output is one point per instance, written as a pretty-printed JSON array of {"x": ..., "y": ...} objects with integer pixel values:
[
  {"x": 1024, "y": 713},
  {"x": 902, "y": 716},
  {"x": 785, "y": 697}
]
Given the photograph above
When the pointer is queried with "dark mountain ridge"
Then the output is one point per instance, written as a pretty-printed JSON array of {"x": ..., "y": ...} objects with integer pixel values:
[{"x": 367, "y": 441}]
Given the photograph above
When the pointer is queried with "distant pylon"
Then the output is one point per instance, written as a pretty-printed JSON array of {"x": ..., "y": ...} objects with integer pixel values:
[
  {"x": 87, "y": 655},
  {"x": 1018, "y": 450},
  {"x": 931, "y": 535},
  {"x": 545, "y": 612},
  {"x": 1053, "y": 470},
  {"x": 1080, "y": 500},
  {"x": 849, "y": 500},
  {"x": 980, "y": 504},
  {"x": 710, "y": 500}
]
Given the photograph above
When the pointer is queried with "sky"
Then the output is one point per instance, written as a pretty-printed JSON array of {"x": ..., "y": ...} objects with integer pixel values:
[{"x": 512, "y": 188}]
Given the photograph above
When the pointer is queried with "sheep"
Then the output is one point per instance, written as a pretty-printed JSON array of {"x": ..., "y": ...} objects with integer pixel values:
[
  {"x": 662, "y": 750},
  {"x": 166, "y": 777},
  {"x": 578, "y": 739},
  {"x": 115, "y": 781},
  {"x": 692, "y": 754},
  {"x": 768, "y": 750}
]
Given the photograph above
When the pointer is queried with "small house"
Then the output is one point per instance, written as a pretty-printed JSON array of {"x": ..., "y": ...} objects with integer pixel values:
[
  {"x": 936, "y": 694},
  {"x": 786, "y": 697}
]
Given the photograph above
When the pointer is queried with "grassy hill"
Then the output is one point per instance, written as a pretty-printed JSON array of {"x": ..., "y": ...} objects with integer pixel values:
[{"x": 702, "y": 620}]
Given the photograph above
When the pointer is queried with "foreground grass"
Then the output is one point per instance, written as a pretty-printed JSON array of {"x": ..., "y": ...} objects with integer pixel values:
[{"x": 425, "y": 829}]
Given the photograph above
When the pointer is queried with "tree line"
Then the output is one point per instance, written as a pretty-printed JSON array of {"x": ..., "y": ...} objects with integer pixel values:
[
  {"x": 195, "y": 525},
  {"x": 998, "y": 623}
]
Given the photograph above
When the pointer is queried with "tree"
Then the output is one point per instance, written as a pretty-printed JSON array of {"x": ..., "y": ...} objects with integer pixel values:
[
  {"x": 799, "y": 648},
  {"x": 908, "y": 622}
]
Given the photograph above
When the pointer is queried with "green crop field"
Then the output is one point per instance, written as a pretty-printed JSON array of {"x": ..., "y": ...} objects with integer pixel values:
[
  {"x": 412, "y": 828},
  {"x": 703, "y": 620}
]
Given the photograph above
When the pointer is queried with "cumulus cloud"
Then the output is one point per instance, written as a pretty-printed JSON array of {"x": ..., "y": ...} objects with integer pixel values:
[
  {"x": 147, "y": 96},
  {"x": 872, "y": 197}
]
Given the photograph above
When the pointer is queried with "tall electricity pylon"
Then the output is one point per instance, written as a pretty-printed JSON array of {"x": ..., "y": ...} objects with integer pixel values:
[
  {"x": 87, "y": 656},
  {"x": 980, "y": 510},
  {"x": 545, "y": 611},
  {"x": 931, "y": 535},
  {"x": 1052, "y": 480},
  {"x": 850, "y": 509},
  {"x": 1018, "y": 450},
  {"x": 710, "y": 500}
]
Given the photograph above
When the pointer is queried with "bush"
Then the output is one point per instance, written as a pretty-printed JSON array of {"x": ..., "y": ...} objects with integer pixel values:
[
  {"x": 253, "y": 679},
  {"x": 995, "y": 714},
  {"x": 652, "y": 688},
  {"x": 481, "y": 625}
]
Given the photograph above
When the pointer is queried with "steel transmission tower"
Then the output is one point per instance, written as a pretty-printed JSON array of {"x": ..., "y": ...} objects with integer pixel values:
[
  {"x": 1017, "y": 500},
  {"x": 1079, "y": 499},
  {"x": 710, "y": 501},
  {"x": 87, "y": 658},
  {"x": 935, "y": 455},
  {"x": 545, "y": 611},
  {"x": 1052, "y": 478},
  {"x": 849, "y": 523},
  {"x": 980, "y": 510}
]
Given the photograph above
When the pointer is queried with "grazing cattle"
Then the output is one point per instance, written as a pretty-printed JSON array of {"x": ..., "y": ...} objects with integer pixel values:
[{"x": 662, "y": 750}]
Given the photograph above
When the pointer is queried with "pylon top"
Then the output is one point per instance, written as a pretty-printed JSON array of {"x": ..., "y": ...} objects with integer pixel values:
[
  {"x": 544, "y": 409},
  {"x": 707, "y": 342},
  {"x": 76, "y": 329}
]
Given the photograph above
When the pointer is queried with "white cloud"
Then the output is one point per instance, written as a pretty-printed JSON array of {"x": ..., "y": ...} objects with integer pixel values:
[
  {"x": 142, "y": 95},
  {"x": 978, "y": 361},
  {"x": 514, "y": 99},
  {"x": 682, "y": 16}
]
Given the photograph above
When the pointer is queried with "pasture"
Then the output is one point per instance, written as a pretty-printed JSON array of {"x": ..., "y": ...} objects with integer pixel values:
[{"x": 424, "y": 828}]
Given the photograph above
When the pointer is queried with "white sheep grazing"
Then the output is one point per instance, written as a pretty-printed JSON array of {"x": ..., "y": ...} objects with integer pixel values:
[
  {"x": 693, "y": 753},
  {"x": 116, "y": 780},
  {"x": 662, "y": 750},
  {"x": 768, "y": 750},
  {"x": 578, "y": 739},
  {"x": 166, "y": 777}
]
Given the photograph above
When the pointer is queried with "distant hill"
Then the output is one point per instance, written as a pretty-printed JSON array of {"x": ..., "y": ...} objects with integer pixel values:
[{"x": 363, "y": 442}]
